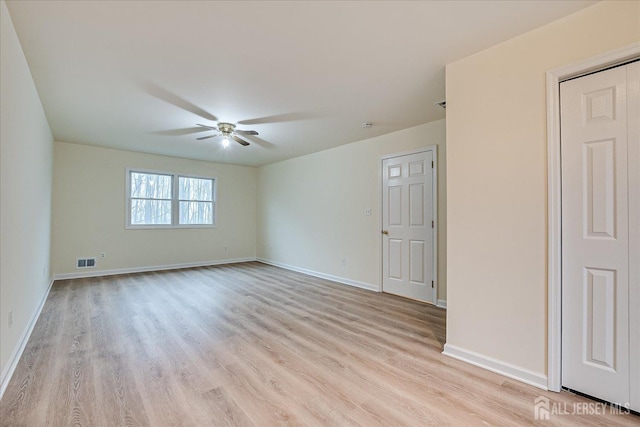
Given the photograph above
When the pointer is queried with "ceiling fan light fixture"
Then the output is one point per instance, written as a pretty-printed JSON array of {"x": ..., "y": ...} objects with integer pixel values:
[{"x": 228, "y": 131}]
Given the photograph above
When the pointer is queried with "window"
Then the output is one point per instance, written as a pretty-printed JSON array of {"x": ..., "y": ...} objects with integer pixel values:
[
  {"x": 150, "y": 198},
  {"x": 196, "y": 200},
  {"x": 161, "y": 199}
]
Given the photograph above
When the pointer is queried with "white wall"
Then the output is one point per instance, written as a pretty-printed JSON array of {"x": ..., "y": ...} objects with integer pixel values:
[
  {"x": 89, "y": 213},
  {"x": 311, "y": 208},
  {"x": 496, "y": 182},
  {"x": 25, "y": 194}
]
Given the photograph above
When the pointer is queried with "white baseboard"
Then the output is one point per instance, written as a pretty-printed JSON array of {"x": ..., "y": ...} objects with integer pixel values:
[
  {"x": 357, "y": 284},
  {"x": 97, "y": 273},
  {"x": 442, "y": 303},
  {"x": 497, "y": 366},
  {"x": 12, "y": 363}
]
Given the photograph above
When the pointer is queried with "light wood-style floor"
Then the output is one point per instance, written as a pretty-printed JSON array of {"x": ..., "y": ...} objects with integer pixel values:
[{"x": 250, "y": 344}]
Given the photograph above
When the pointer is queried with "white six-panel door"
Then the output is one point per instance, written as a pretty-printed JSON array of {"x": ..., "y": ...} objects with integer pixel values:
[
  {"x": 633, "y": 126},
  {"x": 407, "y": 222},
  {"x": 600, "y": 235}
]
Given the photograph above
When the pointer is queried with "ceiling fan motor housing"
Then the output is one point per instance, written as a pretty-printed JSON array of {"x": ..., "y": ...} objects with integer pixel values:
[{"x": 226, "y": 128}]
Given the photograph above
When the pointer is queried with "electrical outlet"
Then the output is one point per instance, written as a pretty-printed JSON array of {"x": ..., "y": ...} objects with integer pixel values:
[
  {"x": 10, "y": 318},
  {"x": 367, "y": 211},
  {"x": 103, "y": 255}
]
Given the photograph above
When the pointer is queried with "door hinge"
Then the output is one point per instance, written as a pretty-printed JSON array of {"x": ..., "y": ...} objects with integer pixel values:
[
  {"x": 432, "y": 283},
  {"x": 431, "y": 224},
  {"x": 431, "y": 164}
]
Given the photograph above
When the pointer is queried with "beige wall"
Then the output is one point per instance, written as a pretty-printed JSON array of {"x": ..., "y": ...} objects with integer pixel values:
[
  {"x": 496, "y": 181},
  {"x": 89, "y": 212},
  {"x": 311, "y": 209},
  {"x": 25, "y": 193}
]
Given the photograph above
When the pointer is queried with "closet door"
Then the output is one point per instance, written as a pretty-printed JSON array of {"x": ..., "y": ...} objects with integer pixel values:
[
  {"x": 599, "y": 187},
  {"x": 633, "y": 114}
]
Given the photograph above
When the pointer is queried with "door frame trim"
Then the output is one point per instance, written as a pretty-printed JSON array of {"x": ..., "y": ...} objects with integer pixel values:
[
  {"x": 554, "y": 197},
  {"x": 434, "y": 195}
]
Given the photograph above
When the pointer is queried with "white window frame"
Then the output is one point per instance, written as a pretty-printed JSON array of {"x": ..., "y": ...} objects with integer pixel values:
[{"x": 175, "y": 201}]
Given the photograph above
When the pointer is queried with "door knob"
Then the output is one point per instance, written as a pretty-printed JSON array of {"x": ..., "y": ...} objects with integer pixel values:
[{"x": 385, "y": 232}]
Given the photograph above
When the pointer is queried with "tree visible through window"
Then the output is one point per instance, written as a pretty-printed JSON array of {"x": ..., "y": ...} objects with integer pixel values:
[{"x": 164, "y": 199}]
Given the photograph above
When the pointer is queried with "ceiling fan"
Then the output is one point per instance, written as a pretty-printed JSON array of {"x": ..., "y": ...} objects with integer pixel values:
[
  {"x": 223, "y": 129},
  {"x": 227, "y": 131}
]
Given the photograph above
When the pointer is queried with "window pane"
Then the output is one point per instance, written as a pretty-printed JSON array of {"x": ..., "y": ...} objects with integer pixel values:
[
  {"x": 150, "y": 186},
  {"x": 195, "y": 189},
  {"x": 196, "y": 213},
  {"x": 150, "y": 212}
]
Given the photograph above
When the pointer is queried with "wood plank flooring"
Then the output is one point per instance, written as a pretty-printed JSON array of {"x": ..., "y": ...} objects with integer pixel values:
[{"x": 253, "y": 345}]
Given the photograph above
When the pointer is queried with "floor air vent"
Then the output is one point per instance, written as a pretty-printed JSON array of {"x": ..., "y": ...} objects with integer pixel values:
[{"x": 85, "y": 262}]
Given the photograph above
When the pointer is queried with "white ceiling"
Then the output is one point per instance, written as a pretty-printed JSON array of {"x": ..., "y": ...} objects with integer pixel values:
[{"x": 139, "y": 75}]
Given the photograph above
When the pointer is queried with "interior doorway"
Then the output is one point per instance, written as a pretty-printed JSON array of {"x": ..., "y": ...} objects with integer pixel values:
[
  {"x": 554, "y": 202},
  {"x": 600, "y": 152}
]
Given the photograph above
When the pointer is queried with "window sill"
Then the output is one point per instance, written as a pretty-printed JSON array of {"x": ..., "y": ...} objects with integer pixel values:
[{"x": 168, "y": 227}]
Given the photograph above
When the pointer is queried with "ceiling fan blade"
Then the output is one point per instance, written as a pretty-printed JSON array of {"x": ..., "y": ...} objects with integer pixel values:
[
  {"x": 179, "y": 132},
  {"x": 239, "y": 140},
  {"x": 173, "y": 99},
  {"x": 247, "y": 132},
  {"x": 207, "y": 127},
  {"x": 262, "y": 143},
  {"x": 206, "y": 137},
  {"x": 279, "y": 118}
]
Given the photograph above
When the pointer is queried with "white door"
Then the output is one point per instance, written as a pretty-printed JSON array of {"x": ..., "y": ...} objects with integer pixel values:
[
  {"x": 633, "y": 126},
  {"x": 599, "y": 185},
  {"x": 408, "y": 227}
]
